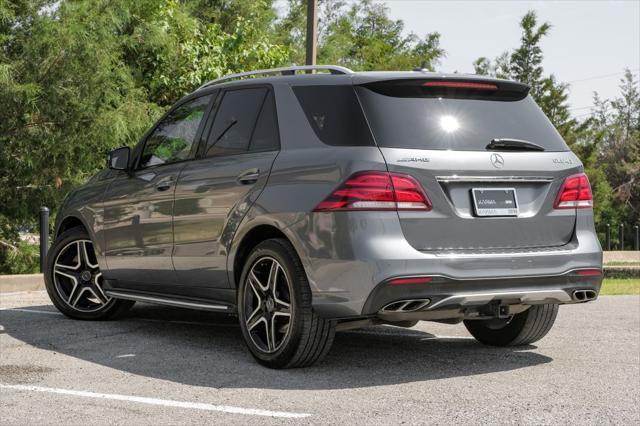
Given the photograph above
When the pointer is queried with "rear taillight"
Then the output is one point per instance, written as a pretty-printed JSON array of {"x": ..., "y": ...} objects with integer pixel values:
[
  {"x": 575, "y": 193},
  {"x": 373, "y": 190}
]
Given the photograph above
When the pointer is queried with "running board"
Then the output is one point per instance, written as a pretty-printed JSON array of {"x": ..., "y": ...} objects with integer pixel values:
[{"x": 180, "y": 303}]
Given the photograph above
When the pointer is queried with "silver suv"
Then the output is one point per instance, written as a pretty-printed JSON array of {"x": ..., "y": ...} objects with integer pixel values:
[{"x": 315, "y": 202}]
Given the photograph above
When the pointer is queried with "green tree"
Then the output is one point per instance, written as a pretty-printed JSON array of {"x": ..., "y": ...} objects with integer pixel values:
[
  {"x": 524, "y": 64},
  {"x": 79, "y": 78},
  {"x": 360, "y": 36},
  {"x": 613, "y": 139}
]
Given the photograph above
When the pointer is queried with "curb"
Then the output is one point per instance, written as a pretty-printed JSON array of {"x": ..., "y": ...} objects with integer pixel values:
[{"x": 26, "y": 282}]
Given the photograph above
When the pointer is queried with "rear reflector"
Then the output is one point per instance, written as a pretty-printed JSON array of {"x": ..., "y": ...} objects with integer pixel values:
[
  {"x": 589, "y": 272},
  {"x": 412, "y": 280},
  {"x": 575, "y": 193},
  {"x": 461, "y": 85},
  {"x": 374, "y": 190}
]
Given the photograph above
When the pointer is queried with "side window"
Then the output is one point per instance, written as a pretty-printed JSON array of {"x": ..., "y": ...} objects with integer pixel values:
[
  {"x": 174, "y": 136},
  {"x": 235, "y": 122},
  {"x": 266, "y": 136},
  {"x": 335, "y": 114}
]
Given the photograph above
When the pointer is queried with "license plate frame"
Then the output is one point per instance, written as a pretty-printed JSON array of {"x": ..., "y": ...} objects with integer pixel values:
[{"x": 486, "y": 205}]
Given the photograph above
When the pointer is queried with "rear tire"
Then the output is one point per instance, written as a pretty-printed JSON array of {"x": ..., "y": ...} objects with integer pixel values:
[
  {"x": 277, "y": 319},
  {"x": 74, "y": 282},
  {"x": 523, "y": 328}
]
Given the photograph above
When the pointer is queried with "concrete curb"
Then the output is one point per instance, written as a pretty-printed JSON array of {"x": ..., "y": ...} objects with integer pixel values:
[{"x": 26, "y": 282}]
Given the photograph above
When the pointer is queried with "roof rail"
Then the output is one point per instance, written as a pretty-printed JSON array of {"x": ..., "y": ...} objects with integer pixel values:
[{"x": 333, "y": 69}]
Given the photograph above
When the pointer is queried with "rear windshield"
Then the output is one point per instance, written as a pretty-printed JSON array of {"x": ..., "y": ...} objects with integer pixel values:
[{"x": 427, "y": 122}]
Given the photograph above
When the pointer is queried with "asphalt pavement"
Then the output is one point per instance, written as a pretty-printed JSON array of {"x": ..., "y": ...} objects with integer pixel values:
[{"x": 164, "y": 365}]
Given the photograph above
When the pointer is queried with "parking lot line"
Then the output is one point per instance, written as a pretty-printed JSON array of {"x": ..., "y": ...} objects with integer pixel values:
[
  {"x": 34, "y": 311},
  {"x": 155, "y": 401}
]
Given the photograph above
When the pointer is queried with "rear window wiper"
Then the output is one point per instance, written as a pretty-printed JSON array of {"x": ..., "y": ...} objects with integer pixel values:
[{"x": 508, "y": 144}]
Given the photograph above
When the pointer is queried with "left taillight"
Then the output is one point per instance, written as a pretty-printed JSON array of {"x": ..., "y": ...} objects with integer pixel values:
[
  {"x": 575, "y": 193},
  {"x": 375, "y": 190}
]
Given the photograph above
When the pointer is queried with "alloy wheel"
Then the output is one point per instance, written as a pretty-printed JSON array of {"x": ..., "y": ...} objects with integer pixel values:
[
  {"x": 77, "y": 277},
  {"x": 268, "y": 306}
]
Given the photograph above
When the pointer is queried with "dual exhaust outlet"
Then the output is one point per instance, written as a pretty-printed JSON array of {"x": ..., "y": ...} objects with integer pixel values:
[
  {"x": 409, "y": 305},
  {"x": 584, "y": 295}
]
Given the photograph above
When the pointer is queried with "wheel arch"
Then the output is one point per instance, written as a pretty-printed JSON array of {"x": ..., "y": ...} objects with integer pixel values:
[
  {"x": 70, "y": 222},
  {"x": 251, "y": 238}
]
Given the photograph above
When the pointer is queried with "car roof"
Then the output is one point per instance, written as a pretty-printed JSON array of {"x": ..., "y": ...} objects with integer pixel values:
[{"x": 355, "y": 78}]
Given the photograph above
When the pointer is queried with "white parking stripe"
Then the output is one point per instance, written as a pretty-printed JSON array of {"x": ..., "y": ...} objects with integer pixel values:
[
  {"x": 13, "y": 293},
  {"x": 35, "y": 311},
  {"x": 155, "y": 401}
]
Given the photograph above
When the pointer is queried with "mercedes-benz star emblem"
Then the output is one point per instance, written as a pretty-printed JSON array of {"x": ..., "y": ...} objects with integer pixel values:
[{"x": 497, "y": 161}]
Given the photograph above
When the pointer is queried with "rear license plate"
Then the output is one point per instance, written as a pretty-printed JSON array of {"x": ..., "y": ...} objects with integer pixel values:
[{"x": 495, "y": 201}]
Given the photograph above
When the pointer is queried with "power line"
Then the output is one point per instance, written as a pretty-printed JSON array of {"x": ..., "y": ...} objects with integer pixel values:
[{"x": 601, "y": 76}]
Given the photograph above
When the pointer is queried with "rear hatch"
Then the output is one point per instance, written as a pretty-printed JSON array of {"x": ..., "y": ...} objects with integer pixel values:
[{"x": 486, "y": 155}]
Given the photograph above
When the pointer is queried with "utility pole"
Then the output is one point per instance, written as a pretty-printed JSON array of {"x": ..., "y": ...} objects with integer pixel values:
[{"x": 312, "y": 31}]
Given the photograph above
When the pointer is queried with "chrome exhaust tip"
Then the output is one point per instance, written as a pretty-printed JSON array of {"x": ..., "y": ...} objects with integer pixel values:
[
  {"x": 409, "y": 305},
  {"x": 584, "y": 295}
]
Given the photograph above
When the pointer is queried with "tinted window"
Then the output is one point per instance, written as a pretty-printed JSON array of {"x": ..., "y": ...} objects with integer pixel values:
[
  {"x": 265, "y": 136},
  {"x": 415, "y": 122},
  {"x": 174, "y": 136},
  {"x": 334, "y": 114},
  {"x": 235, "y": 121}
]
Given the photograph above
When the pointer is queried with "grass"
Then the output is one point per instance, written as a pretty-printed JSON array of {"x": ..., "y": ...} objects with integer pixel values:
[{"x": 618, "y": 286}]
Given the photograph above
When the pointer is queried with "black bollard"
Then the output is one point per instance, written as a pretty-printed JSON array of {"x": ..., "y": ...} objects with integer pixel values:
[
  {"x": 608, "y": 238},
  {"x": 621, "y": 237},
  {"x": 44, "y": 236},
  {"x": 637, "y": 238}
]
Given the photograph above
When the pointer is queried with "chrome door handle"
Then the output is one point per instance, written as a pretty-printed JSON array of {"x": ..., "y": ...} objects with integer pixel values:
[{"x": 249, "y": 176}]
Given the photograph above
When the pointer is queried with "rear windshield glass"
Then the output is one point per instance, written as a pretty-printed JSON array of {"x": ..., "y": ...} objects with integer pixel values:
[
  {"x": 334, "y": 114},
  {"x": 455, "y": 124}
]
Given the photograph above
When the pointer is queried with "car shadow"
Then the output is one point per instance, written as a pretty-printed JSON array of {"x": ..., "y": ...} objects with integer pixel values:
[{"x": 206, "y": 349}]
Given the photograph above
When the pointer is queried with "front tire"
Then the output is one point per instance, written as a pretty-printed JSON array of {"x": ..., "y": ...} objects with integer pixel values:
[
  {"x": 277, "y": 319},
  {"x": 73, "y": 279},
  {"x": 522, "y": 329}
]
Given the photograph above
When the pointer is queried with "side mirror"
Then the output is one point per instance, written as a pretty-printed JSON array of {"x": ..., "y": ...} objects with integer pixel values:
[{"x": 118, "y": 159}]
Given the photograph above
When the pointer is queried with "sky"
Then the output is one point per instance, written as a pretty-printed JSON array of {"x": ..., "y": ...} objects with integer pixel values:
[{"x": 589, "y": 45}]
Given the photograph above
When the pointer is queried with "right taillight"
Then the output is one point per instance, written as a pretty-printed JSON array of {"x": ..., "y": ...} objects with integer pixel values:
[
  {"x": 375, "y": 190},
  {"x": 575, "y": 193}
]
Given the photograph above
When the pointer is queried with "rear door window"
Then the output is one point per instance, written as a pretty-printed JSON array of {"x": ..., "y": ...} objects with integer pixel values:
[
  {"x": 235, "y": 121},
  {"x": 334, "y": 114},
  {"x": 401, "y": 117}
]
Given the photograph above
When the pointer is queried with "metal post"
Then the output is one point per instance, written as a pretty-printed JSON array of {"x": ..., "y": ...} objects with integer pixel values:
[
  {"x": 44, "y": 236},
  {"x": 608, "y": 238},
  {"x": 312, "y": 31},
  {"x": 637, "y": 244},
  {"x": 621, "y": 237}
]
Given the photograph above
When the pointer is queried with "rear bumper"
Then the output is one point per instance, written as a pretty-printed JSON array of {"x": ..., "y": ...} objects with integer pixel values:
[
  {"x": 446, "y": 298},
  {"x": 348, "y": 255}
]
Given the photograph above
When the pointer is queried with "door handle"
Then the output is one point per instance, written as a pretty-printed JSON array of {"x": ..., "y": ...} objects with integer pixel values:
[
  {"x": 163, "y": 186},
  {"x": 249, "y": 176}
]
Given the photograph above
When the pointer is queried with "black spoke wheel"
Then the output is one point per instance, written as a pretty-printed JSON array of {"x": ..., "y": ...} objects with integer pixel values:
[
  {"x": 77, "y": 277},
  {"x": 74, "y": 281},
  {"x": 267, "y": 306},
  {"x": 277, "y": 319}
]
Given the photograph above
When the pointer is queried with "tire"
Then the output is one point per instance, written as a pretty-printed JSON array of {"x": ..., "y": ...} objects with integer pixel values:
[
  {"x": 76, "y": 294},
  {"x": 262, "y": 300},
  {"x": 523, "y": 328}
]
